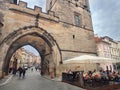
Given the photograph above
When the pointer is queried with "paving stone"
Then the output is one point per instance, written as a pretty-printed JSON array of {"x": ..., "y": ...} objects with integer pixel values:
[{"x": 33, "y": 81}]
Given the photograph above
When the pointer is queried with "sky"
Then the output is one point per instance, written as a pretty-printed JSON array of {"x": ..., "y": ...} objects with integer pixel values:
[
  {"x": 105, "y": 16},
  {"x": 31, "y": 49},
  {"x": 40, "y": 3}
]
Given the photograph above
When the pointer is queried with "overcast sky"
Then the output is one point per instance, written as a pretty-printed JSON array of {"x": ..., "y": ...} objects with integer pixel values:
[
  {"x": 31, "y": 49},
  {"x": 105, "y": 16}
]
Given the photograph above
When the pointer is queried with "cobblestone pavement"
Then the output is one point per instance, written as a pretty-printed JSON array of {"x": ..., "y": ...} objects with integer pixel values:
[
  {"x": 33, "y": 81},
  {"x": 5, "y": 80}
]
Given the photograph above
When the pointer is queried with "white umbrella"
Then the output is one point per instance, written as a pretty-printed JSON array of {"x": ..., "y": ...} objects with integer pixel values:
[{"x": 89, "y": 59}]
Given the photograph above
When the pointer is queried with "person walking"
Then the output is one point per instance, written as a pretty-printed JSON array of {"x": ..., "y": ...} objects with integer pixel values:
[
  {"x": 24, "y": 71},
  {"x": 31, "y": 69},
  {"x": 14, "y": 71},
  {"x": 20, "y": 71},
  {"x": 36, "y": 68},
  {"x": 10, "y": 69}
]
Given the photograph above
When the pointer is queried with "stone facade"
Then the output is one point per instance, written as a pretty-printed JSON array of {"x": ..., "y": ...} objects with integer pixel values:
[{"x": 54, "y": 34}]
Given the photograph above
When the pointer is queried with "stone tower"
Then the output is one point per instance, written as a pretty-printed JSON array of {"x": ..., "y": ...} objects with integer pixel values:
[
  {"x": 74, "y": 12},
  {"x": 64, "y": 32},
  {"x": 4, "y": 7}
]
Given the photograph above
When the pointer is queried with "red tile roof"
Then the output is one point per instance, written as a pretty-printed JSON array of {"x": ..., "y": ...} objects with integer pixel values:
[{"x": 97, "y": 39}]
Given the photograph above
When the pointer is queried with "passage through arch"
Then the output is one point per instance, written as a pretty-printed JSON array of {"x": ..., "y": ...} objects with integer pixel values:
[{"x": 41, "y": 40}]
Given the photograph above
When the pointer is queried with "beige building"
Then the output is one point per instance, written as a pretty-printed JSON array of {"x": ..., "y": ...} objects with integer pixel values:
[
  {"x": 114, "y": 47},
  {"x": 37, "y": 60},
  {"x": 23, "y": 58},
  {"x": 109, "y": 48},
  {"x": 103, "y": 47},
  {"x": 32, "y": 59},
  {"x": 16, "y": 58},
  {"x": 64, "y": 32},
  {"x": 119, "y": 44}
]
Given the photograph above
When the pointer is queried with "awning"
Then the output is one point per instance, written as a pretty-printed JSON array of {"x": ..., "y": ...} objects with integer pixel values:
[{"x": 89, "y": 59}]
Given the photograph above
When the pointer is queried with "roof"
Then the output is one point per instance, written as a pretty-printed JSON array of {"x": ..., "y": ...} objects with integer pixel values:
[
  {"x": 97, "y": 39},
  {"x": 110, "y": 39}
]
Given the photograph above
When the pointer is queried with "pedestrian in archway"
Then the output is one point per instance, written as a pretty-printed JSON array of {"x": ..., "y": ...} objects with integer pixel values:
[
  {"x": 20, "y": 71},
  {"x": 24, "y": 71},
  {"x": 14, "y": 71},
  {"x": 36, "y": 68},
  {"x": 31, "y": 69},
  {"x": 10, "y": 70}
]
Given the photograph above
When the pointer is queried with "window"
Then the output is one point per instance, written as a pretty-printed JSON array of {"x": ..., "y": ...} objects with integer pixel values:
[
  {"x": 76, "y": 0},
  {"x": 86, "y": 4},
  {"x": 15, "y": 1},
  {"x": 77, "y": 19}
]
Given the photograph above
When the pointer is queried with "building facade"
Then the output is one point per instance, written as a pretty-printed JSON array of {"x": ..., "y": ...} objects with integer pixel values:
[
  {"x": 103, "y": 48},
  {"x": 108, "y": 48},
  {"x": 24, "y": 58},
  {"x": 114, "y": 47},
  {"x": 64, "y": 32}
]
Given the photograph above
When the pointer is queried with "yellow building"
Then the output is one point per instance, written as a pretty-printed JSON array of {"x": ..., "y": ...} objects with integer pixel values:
[{"x": 24, "y": 57}]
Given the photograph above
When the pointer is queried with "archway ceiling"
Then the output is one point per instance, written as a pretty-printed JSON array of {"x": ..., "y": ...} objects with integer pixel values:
[{"x": 35, "y": 41}]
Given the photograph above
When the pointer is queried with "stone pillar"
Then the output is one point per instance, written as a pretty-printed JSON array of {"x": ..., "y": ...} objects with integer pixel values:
[
  {"x": 52, "y": 70},
  {"x": 1, "y": 74},
  {"x": 42, "y": 61}
]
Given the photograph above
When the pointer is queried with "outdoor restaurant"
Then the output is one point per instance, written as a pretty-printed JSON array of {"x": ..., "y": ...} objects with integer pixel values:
[{"x": 90, "y": 71}]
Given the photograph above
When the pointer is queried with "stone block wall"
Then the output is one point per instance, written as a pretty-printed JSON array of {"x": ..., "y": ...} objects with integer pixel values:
[{"x": 71, "y": 40}]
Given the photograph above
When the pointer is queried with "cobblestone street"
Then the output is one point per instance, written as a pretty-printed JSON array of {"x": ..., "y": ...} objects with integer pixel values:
[{"x": 33, "y": 81}]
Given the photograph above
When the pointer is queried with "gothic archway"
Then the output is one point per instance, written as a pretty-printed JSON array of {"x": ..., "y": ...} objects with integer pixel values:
[{"x": 38, "y": 38}]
